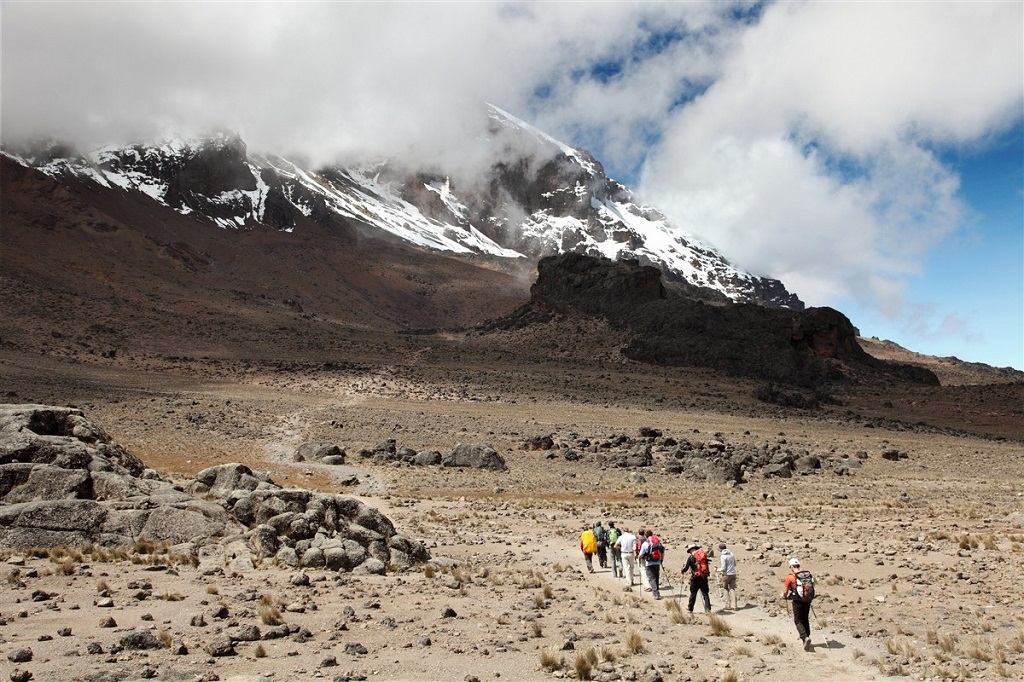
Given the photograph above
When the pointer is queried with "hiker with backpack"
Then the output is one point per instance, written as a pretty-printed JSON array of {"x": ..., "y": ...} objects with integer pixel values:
[
  {"x": 627, "y": 547},
  {"x": 798, "y": 588},
  {"x": 652, "y": 553},
  {"x": 601, "y": 535},
  {"x": 697, "y": 565},
  {"x": 616, "y": 554},
  {"x": 588, "y": 545}
]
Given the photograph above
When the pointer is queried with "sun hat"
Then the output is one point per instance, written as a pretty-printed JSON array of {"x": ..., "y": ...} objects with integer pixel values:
[
  {"x": 692, "y": 546},
  {"x": 794, "y": 562}
]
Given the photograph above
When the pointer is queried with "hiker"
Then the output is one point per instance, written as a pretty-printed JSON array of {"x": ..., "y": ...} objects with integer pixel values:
[
  {"x": 697, "y": 565},
  {"x": 727, "y": 577},
  {"x": 796, "y": 590},
  {"x": 652, "y": 553},
  {"x": 627, "y": 546},
  {"x": 588, "y": 545},
  {"x": 601, "y": 535},
  {"x": 616, "y": 554},
  {"x": 641, "y": 535}
]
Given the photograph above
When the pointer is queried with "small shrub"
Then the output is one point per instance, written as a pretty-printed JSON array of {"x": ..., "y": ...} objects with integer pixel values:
[
  {"x": 102, "y": 586},
  {"x": 212, "y": 589},
  {"x": 259, "y": 652},
  {"x": 538, "y": 631},
  {"x": 429, "y": 571},
  {"x": 165, "y": 637}
]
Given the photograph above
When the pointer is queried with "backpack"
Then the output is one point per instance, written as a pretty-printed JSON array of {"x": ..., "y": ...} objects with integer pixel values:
[
  {"x": 701, "y": 569},
  {"x": 613, "y": 535},
  {"x": 657, "y": 550},
  {"x": 804, "y": 587}
]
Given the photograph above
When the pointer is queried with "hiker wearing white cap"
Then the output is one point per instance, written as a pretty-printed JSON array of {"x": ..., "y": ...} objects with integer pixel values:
[
  {"x": 727, "y": 577},
  {"x": 798, "y": 588}
]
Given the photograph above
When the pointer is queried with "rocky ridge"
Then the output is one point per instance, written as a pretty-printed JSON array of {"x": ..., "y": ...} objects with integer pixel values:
[{"x": 63, "y": 482}]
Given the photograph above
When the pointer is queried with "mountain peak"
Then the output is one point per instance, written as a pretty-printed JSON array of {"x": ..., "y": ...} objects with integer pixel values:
[{"x": 538, "y": 197}]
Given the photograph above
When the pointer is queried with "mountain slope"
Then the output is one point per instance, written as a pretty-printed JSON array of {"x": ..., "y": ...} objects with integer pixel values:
[
  {"x": 536, "y": 197},
  {"x": 91, "y": 269}
]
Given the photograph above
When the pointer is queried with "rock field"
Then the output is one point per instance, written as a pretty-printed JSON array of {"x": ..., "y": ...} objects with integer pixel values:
[{"x": 420, "y": 519}]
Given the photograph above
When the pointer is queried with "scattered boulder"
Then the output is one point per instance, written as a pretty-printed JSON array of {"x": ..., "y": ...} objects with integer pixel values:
[{"x": 475, "y": 456}]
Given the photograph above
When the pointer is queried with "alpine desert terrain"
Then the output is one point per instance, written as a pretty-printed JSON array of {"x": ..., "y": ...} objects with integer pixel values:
[{"x": 917, "y": 549}]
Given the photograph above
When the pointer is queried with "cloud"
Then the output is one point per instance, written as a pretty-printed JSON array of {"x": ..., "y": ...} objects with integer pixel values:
[
  {"x": 814, "y": 157},
  {"x": 802, "y": 139}
]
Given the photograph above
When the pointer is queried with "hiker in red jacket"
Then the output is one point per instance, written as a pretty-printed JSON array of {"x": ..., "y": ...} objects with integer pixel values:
[{"x": 697, "y": 565}]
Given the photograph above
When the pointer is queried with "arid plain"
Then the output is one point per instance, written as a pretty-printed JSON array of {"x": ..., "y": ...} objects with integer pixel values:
[{"x": 918, "y": 555}]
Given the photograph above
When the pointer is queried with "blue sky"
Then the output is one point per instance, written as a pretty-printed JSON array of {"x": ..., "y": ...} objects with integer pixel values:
[{"x": 867, "y": 154}]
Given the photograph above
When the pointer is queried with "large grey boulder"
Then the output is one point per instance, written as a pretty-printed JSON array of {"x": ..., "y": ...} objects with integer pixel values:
[{"x": 476, "y": 456}]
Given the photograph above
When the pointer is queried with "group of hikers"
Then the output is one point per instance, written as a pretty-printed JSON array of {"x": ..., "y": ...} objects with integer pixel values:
[{"x": 628, "y": 554}]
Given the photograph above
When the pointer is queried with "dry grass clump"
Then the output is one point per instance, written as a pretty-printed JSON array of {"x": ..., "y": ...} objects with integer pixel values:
[
  {"x": 172, "y": 596},
  {"x": 551, "y": 660},
  {"x": 259, "y": 652},
  {"x": 538, "y": 631},
  {"x": 582, "y": 665},
  {"x": 270, "y": 615},
  {"x": 772, "y": 639},
  {"x": 676, "y": 613},
  {"x": 719, "y": 628},
  {"x": 635, "y": 642},
  {"x": 212, "y": 589},
  {"x": 729, "y": 676},
  {"x": 165, "y": 637}
]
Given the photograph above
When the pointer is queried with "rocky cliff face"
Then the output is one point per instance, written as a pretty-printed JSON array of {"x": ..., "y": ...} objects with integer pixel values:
[
  {"x": 805, "y": 348},
  {"x": 536, "y": 197}
]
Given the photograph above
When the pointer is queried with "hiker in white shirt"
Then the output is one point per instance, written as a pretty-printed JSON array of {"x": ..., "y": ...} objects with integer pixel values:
[
  {"x": 727, "y": 577},
  {"x": 627, "y": 547}
]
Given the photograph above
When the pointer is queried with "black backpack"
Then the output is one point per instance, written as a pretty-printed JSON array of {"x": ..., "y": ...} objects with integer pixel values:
[{"x": 804, "y": 590}]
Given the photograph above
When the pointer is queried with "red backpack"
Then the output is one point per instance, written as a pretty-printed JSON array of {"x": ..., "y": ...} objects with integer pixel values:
[
  {"x": 701, "y": 570},
  {"x": 657, "y": 550}
]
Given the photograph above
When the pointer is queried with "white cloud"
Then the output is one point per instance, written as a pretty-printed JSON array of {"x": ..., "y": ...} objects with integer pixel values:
[
  {"x": 800, "y": 143},
  {"x": 752, "y": 165}
]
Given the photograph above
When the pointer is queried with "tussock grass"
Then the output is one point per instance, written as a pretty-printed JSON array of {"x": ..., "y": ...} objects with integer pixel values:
[
  {"x": 582, "y": 666},
  {"x": 635, "y": 642},
  {"x": 676, "y": 613},
  {"x": 538, "y": 631},
  {"x": 551, "y": 660},
  {"x": 270, "y": 615},
  {"x": 719, "y": 627},
  {"x": 259, "y": 652}
]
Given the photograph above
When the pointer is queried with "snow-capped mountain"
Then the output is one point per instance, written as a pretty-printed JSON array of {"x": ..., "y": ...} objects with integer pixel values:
[{"x": 538, "y": 197}]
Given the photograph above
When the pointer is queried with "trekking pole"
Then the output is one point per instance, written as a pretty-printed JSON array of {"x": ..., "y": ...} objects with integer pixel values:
[{"x": 814, "y": 613}]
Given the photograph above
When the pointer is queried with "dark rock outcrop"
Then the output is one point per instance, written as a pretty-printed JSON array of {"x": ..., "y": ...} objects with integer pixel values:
[
  {"x": 63, "y": 481},
  {"x": 804, "y": 348},
  {"x": 475, "y": 456}
]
